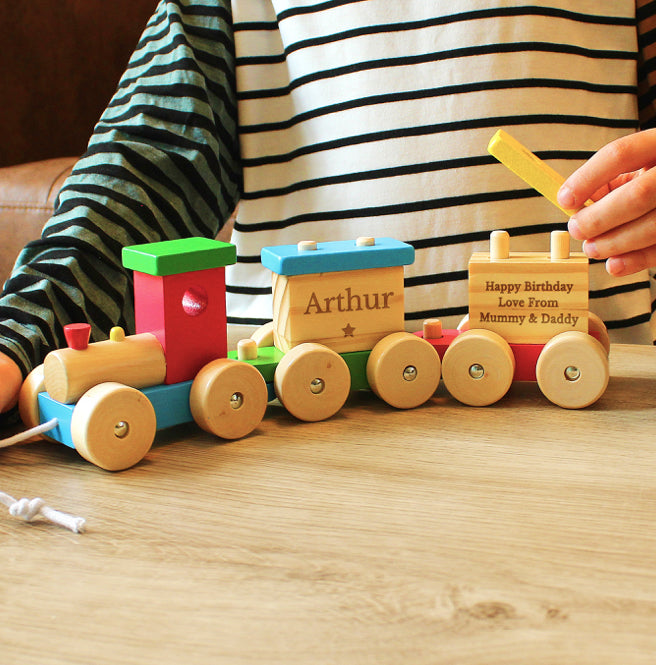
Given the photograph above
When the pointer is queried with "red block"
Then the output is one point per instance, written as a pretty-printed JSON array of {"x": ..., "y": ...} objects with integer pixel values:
[
  {"x": 526, "y": 355},
  {"x": 187, "y": 314}
]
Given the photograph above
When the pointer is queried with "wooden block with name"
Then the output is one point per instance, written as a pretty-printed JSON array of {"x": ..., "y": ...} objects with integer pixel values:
[
  {"x": 346, "y": 311},
  {"x": 528, "y": 297}
]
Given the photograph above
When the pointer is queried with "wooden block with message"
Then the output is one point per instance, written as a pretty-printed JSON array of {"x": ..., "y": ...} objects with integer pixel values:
[{"x": 528, "y": 297}]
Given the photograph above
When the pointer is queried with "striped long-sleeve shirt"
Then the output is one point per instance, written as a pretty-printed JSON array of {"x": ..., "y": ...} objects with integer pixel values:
[{"x": 336, "y": 119}]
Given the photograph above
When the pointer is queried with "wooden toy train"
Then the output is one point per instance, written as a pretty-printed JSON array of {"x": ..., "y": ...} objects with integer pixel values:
[{"x": 338, "y": 326}]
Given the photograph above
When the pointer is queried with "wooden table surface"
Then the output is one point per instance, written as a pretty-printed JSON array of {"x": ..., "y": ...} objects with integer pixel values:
[{"x": 518, "y": 533}]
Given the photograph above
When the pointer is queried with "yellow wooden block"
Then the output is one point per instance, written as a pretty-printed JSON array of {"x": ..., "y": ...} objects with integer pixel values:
[
  {"x": 530, "y": 168},
  {"x": 528, "y": 297},
  {"x": 346, "y": 311}
]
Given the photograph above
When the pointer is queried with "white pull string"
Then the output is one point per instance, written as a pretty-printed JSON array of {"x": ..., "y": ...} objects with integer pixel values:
[
  {"x": 29, "y": 509},
  {"x": 23, "y": 436}
]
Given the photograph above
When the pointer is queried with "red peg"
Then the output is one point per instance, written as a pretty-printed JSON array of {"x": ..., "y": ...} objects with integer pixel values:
[{"x": 77, "y": 335}]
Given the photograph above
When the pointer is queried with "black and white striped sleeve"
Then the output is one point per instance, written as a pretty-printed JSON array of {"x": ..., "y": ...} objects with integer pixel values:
[{"x": 163, "y": 163}]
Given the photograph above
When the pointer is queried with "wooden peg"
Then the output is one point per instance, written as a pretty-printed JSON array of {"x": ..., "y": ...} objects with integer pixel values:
[
  {"x": 499, "y": 245},
  {"x": 77, "y": 335},
  {"x": 246, "y": 349},
  {"x": 559, "y": 245},
  {"x": 307, "y": 246},
  {"x": 117, "y": 334},
  {"x": 432, "y": 329}
]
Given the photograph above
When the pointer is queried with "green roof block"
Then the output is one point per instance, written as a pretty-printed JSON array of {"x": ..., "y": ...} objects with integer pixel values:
[{"x": 172, "y": 257}]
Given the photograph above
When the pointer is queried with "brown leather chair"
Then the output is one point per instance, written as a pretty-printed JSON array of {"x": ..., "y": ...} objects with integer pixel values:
[
  {"x": 60, "y": 64},
  {"x": 27, "y": 197}
]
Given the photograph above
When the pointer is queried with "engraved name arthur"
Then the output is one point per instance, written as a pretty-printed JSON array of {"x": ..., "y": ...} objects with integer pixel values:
[{"x": 347, "y": 301}]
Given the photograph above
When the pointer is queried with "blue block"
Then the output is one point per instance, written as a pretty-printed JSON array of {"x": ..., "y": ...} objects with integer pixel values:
[
  {"x": 336, "y": 256},
  {"x": 171, "y": 404},
  {"x": 49, "y": 409}
]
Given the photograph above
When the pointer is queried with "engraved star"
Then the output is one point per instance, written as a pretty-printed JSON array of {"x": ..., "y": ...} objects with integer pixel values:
[{"x": 348, "y": 330}]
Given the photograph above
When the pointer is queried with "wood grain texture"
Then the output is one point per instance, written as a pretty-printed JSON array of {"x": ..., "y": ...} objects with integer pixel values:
[
  {"x": 345, "y": 311},
  {"x": 136, "y": 361},
  {"x": 517, "y": 533},
  {"x": 529, "y": 297}
]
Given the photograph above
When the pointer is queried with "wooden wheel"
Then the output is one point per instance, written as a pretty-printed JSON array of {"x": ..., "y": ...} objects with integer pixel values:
[
  {"x": 596, "y": 325},
  {"x": 572, "y": 370},
  {"x": 228, "y": 398},
  {"x": 403, "y": 370},
  {"x": 478, "y": 367},
  {"x": 113, "y": 426},
  {"x": 28, "y": 405},
  {"x": 312, "y": 382}
]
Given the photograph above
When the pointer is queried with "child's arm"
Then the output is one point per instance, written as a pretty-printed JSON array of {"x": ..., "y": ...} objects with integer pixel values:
[
  {"x": 11, "y": 378},
  {"x": 621, "y": 225},
  {"x": 163, "y": 163}
]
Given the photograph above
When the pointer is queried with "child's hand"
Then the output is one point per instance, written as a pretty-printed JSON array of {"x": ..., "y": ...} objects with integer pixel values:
[
  {"x": 621, "y": 223},
  {"x": 11, "y": 380}
]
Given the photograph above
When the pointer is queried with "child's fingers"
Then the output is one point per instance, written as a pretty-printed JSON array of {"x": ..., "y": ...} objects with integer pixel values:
[
  {"x": 629, "y": 153},
  {"x": 632, "y": 201},
  {"x": 637, "y": 234},
  {"x": 632, "y": 262}
]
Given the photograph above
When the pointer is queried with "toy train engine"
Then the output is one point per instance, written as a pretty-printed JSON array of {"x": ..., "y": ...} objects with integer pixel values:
[{"x": 108, "y": 398}]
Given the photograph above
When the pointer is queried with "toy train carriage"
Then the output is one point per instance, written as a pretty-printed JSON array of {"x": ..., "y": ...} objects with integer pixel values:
[
  {"x": 528, "y": 297},
  {"x": 528, "y": 321},
  {"x": 346, "y": 295},
  {"x": 338, "y": 325}
]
